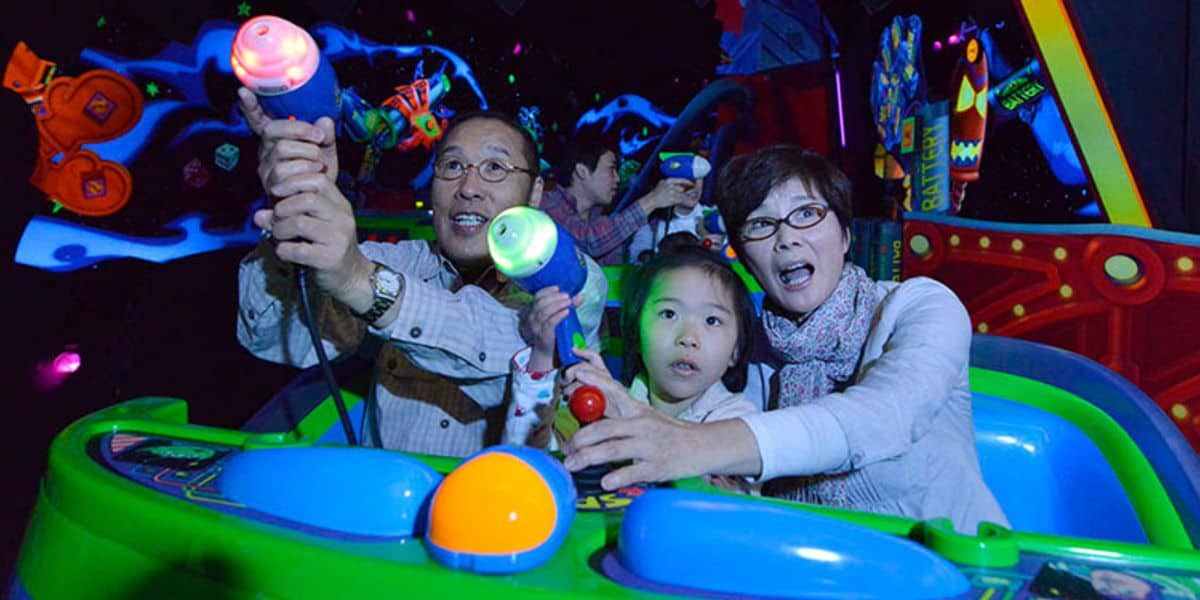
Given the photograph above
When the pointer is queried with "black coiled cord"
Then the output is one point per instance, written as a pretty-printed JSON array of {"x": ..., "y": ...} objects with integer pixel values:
[{"x": 326, "y": 368}]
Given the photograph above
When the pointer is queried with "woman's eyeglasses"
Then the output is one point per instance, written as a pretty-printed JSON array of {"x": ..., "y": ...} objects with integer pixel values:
[{"x": 803, "y": 217}]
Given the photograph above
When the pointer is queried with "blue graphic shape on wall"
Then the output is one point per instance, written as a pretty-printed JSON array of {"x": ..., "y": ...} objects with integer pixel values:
[
  {"x": 57, "y": 245},
  {"x": 628, "y": 105}
]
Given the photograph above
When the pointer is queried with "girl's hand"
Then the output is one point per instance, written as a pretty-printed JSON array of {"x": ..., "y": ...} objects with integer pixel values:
[
  {"x": 617, "y": 401},
  {"x": 549, "y": 308}
]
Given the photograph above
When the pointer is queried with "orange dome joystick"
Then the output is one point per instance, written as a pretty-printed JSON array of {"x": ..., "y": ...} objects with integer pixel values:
[
  {"x": 587, "y": 404},
  {"x": 506, "y": 509}
]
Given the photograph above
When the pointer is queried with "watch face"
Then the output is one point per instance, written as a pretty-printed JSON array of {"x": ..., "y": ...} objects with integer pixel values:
[{"x": 388, "y": 281}]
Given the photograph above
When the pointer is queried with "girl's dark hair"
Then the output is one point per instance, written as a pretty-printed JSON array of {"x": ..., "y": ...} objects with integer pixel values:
[
  {"x": 637, "y": 290},
  {"x": 679, "y": 239},
  {"x": 746, "y": 180}
]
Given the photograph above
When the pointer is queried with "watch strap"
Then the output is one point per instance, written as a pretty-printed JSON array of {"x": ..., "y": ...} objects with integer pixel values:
[{"x": 382, "y": 301}]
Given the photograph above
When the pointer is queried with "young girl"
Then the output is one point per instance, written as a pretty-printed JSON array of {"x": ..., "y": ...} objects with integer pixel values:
[{"x": 686, "y": 318}]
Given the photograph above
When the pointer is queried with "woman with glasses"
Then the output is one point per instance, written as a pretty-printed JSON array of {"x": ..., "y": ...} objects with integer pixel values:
[{"x": 867, "y": 405}]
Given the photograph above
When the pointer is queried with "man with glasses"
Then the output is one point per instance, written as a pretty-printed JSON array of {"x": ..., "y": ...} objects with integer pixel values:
[
  {"x": 587, "y": 181},
  {"x": 447, "y": 320}
]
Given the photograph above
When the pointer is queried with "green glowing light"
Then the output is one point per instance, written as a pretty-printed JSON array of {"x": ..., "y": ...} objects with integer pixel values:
[
  {"x": 1123, "y": 269},
  {"x": 243, "y": 9},
  {"x": 966, "y": 96},
  {"x": 511, "y": 79},
  {"x": 596, "y": 97},
  {"x": 182, "y": 452},
  {"x": 920, "y": 245},
  {"x": 1019, "y": 91},
  {"x": 521, "y": 239}
]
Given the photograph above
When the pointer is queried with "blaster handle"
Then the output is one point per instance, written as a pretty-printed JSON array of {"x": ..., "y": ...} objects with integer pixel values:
[
  {"x": 713, "y": 223},
  {"x": 568, "y": 334}
]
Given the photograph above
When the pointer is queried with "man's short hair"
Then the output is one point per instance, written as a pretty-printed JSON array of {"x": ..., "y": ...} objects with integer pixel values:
[
  {"x": 529, "y": 146},
  {"x": 583, "y": 150}
]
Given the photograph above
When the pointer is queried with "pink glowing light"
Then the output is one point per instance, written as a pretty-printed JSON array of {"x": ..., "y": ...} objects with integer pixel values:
[
  {"x": 67, "y": 363},
  {"x": 837, "y": 80},
  {"x": 953, "y": 39},
  {"x": 937, "y": 45},
  {"x": 517, "y": 49},
  {"x": 408, "y": 14},
  {"x": 48, "y": 375}
]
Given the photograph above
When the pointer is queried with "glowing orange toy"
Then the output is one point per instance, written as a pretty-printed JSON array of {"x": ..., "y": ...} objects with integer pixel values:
[
  {"x": 95, "y": 107},
  {"x": 414, "y": 102}
]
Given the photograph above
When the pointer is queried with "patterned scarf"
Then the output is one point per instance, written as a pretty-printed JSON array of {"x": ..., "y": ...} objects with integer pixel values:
[{"x": 821, "y": 353}]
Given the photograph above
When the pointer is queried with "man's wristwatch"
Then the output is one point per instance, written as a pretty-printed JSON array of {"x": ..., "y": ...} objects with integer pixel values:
[{"x": 386, "y": 284}]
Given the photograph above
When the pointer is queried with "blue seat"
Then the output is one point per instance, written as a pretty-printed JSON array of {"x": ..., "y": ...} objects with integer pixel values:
[
  {"x": 1158, "y": 470},
  {"x": 1048, "y": 476}
]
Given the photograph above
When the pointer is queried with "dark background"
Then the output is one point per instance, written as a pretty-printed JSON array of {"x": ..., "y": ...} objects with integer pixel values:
[{"x": 149, "y": 329}]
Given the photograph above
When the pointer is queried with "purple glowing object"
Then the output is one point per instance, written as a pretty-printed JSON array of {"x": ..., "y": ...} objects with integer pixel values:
[
  {"x": 837, "y": 79},
  {"x": 67, "y": 363}
]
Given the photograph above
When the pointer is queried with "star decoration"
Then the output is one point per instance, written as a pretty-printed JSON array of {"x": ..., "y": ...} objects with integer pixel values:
[
  {"x": 152, "y": 89},
  {"x": 243, "y": 9}
]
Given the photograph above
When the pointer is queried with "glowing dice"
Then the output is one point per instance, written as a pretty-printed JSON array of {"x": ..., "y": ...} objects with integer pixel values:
[{"x": 226, "y": 156}]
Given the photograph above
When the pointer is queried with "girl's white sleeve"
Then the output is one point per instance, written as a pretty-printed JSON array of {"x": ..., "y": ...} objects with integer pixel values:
[{"x": 531, "y": 394}]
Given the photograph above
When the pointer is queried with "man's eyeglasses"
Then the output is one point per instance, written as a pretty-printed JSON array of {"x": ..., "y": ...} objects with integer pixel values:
[
  {"x": 803, "y": 217},
  {"x": 492, "y": 170}
]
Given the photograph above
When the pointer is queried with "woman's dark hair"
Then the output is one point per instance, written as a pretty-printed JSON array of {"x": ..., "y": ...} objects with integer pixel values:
[
  {"x": 637, "y": 290},
  {"x": 746, "y": 180}
]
